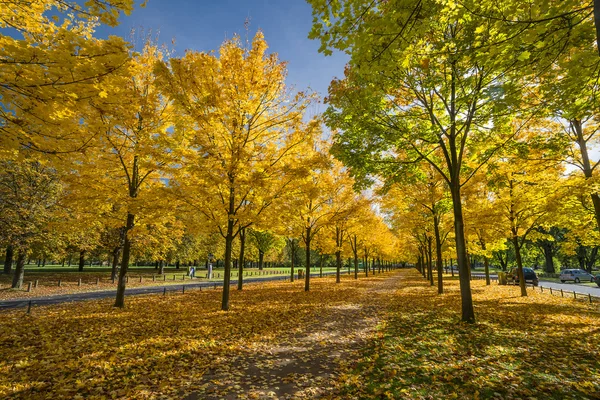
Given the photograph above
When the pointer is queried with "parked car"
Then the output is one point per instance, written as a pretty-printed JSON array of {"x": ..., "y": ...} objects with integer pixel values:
[
  {"x": 528, "y": 273},
  {"x": 577, "y": 275},
  {"x": 597, "y": 280}
]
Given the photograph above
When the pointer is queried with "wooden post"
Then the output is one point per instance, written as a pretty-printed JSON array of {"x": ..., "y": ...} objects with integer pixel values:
[
  {"x": 35, "y": 284},
  {"x": 164, "y": 291},
  {"x": 59, "y": 282},
  {"x": 550, "y": 290},
  {"x": 79, "y": 282},
  {"x": 97, "y": 281},
  {"x": 561, "y": 293},
  {"x": 590, "y": 297},
  {"x": 140, "y": 279},
  {"x": 183, "y": 289},
  {"x": 165, "y": 278},
  {"x": 29, "y": 307},
  {"x": 574, "y": 295},
  {"x": 29, "y": 286},
  {"x": 173, "y": 276}
]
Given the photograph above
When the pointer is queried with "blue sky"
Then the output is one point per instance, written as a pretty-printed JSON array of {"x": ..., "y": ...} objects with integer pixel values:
[{"x": 203, "y": 25}]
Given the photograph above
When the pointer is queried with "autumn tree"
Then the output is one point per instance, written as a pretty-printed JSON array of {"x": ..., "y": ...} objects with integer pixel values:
[
  {"x": 525, "y": 192},
  {"x": 30, "y": 192},
  {"x": 50, "y": 65},
  {"x": 243, "y": 135},
  {"x": 131, "y": 119},
  {"x": 425, "y": 82}
]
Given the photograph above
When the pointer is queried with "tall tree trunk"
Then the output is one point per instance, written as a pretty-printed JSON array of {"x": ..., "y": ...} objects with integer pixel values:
[
  {"x": 355, "y": 250},
  {"x": 17, "y": 281},
  {"x": 292, "y": 258},
  {"x": 242, "y": 255},
  {"x": 120, "y": 300},
  {"x": 577, "y": 127},
  {"x": 430, "y": 259},
  {"x": 161, "y": 267},
  {"x": 515, "y": 240},
  {"x": 8, "y": 259},
  {"x": 228, "y": 245},
  {"x": 261, "y": 257},
  {"x": 366, "y": 261},
  {"x": 468, "y": 313},
  {"x": 81, "y": 260},
  {"x": 307, "y": 241},
  {"x": 338, "y": 266},
  {"x": 438, "y": 253}
]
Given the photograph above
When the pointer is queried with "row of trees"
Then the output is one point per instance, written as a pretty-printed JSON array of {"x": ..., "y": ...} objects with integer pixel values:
[
  {"x": 142, "y": 153},
  {"x": 476, "y": 107}
]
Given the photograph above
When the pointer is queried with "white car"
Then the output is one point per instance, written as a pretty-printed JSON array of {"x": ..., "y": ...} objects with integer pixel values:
[{"x": 577, "y": 275}]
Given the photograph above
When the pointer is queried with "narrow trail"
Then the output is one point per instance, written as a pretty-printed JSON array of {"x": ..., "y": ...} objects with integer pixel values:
[{"x": 302, "y": 363}]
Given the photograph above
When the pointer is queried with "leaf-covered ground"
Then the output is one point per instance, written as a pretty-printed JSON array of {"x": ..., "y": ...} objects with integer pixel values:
[
  {"x": 162, "y": 347},
  {"x": 389, "y": 336},
  {"x": 537, "y": 347}
]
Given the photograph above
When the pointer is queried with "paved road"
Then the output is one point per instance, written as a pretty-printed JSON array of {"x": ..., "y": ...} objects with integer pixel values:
[
  {"x": 567, "y": 287},
  {"x": 64, "y": 298}
]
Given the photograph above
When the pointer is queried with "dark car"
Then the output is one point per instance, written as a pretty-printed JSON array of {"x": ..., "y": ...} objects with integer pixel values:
[
  {"x": 528, "y": 273},
  {"x": 597, "y": 280}
]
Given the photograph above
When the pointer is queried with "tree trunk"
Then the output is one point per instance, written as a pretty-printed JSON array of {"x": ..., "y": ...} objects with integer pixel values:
[
  {"x": 261, "y": 256},
  {"x": 8, "y": 259},
  {"x": 438, "y": 253},
  {"x": 548, "y": 258},
  {"x": 592, "y": 259},
  {"x": 430, "y": 260},
  {"x": 177, "y": 263},
  {"x": 355, "y": 258},
  {"x": 515, "y": 240},
  {"x": 468, "y": 313},
  {"x": 120, "y": 300},
  {"x": 338, "y": 266},
  {"x": 81, "y": 260},
  {"x": 577, "y": 126},
  {"x": 241, "y": 262},
  {"x": 307, "y": 241},
  {"x": 161, "y": 267},
  {"x": 486, "y": 264},
  {"x": 17, "y": 281},
  {"x": 228, "y": 248},
  {"x": 292, "y": 259},
  {"x": 115, "y": 262},
  {"x": 321, "y": 266}
]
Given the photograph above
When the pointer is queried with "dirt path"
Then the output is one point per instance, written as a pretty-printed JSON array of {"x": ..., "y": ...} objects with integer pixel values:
[{"x": 302, "y": 363}]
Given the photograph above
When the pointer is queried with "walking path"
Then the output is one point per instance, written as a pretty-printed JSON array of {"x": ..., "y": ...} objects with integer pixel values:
[{"x": 303, "y": 363}]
